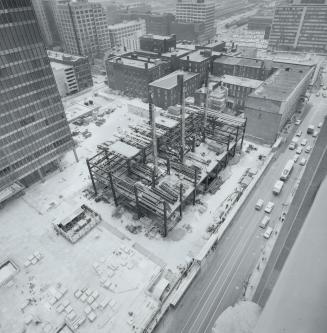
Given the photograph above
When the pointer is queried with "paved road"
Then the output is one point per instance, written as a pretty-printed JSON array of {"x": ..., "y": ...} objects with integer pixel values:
[
  {"x": 314, "y": 174},
  {"x": 220, "y": 282}
]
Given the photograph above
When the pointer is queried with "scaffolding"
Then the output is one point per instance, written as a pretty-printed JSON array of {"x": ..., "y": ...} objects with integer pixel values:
[{"x": 160, "y": 178}]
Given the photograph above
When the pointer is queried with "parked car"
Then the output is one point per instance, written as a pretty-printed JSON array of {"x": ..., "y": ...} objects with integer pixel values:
[
  {"x": 292, "y": 146},
  {"x": 259, "y": 204},
  {"x": 298, "y": 122},
  {"x": 299, "y": 150},
  {"x": 319, "y": 125},
  {"x": 304, "y": 142},
  {"x": 299, "y": 133},
  {"x": 308, "y": 149},
  {"x": 317, "y": 94},
  {"x": 295, "y": 158},
  {"x": 303, "y": 161},
  {"x": 269, "y": 207},
  {"x": 315, "y": 134}
]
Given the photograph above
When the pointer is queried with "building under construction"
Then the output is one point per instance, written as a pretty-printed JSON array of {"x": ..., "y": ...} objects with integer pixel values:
[{"x": 158, "y": 167}]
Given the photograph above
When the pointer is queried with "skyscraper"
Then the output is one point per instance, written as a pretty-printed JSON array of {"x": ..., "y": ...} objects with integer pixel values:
[
  {"x": 46, "y": 31},
  {"x": 198, "y": 11},
  {"x": 300, "y": 25},
  {"x": 34, "y": 131},
  {"x": 83, "y": 28}
]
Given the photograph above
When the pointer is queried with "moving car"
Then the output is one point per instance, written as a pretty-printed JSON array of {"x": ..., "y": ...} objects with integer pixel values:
[
  {"x": 278, "y": 187},
  {"x": 259, "y": 204},
  {"x": 268, "y": 233},
  {"x": 299, "y": 150},
  {"x": 307, "y": 149},
  {"x": 269, "y": 207},
  {"x": 264, "y": 222},
  {"x": 303, "y": 161},
  {"x": 299, "y": 133},
  {"x": 310, "y": 129}
]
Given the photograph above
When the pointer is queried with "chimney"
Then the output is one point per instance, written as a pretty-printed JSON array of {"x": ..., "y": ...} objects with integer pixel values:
[{"x": 146, "y": 65}]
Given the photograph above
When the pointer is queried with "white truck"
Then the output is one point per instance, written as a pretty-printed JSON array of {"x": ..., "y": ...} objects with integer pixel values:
[{"x": 278, "y": 187}]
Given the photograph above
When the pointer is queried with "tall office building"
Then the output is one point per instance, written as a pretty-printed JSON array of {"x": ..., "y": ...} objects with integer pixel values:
[
  {"x": 50, "y": 8},
  {"x": 300, "y": 25},
  {"x": 197, "y": 11},
  {"x": 83, "y": 28},
  {"x": 46, "y": 31},
  {"x": 34, "y": 131}
]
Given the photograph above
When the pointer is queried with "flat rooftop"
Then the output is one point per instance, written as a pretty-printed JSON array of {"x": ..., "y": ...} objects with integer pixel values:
[
  {"x": 58, "y": 66},
  {"x": 250, "y": 62},
  {"x": 159, "y": 37},
  {"x": 196, "y": 56},
  {"x": 241, "y": 81},
  {"x": 138, "y": 63},
  {"x": 54, "y": 55},
  {"x": 177, "y": 52},
  {"x": 280, "y": 85},
  {"x": 170, "y": 81}
]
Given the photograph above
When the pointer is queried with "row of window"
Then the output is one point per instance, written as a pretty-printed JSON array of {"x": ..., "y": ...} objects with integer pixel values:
[
  {"x": 11, "y": 4},
  {"x": 37, "y": 131},
  {"x": 36, "y": 143},
  {"x": 5, "y": 171},
  {"x": 19, "y": 35}
]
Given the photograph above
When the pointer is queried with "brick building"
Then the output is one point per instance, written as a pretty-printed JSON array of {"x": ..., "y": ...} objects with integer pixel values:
[
  {"x": 166, "y": 91},
  {"x": 244, "y": 67},
  {"x": 238, "y": 89},
  {"x": 132, "y": 73},
  {"x": 198, "y": 61},
  {"x": 270, "y": 106},
  {"x": 158, "y": 43}
]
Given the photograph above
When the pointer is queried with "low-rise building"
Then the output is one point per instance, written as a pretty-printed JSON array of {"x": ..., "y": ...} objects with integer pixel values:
[
  {"x": 166, "y": 90},
  {"x": 273, "y": 103},
  {"x": 80, "y": 66},
  {"x": 157, "y": 43},
  {"x": 238, "y": 89},
  {"x": 65, "y": 78},
  {"x": 188, "y": 31},
  {"x": 198, "y": 61},
  {"x": 132, "y": 74},
  {"x": 127, "y": 34},
  {"x": 251, "y": 68}
]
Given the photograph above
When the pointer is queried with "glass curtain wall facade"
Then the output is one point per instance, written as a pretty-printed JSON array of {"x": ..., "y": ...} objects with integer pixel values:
[{"x": 33, "y": 127}]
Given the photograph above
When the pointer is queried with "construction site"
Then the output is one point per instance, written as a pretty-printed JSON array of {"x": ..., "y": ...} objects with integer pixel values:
[{"x": 158, "y": 167}]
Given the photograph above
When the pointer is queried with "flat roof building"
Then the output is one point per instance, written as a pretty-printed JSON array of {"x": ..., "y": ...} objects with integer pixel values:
[
  {"x": 34, "y": 131},
  {"x": 80, "y": 65},
  {"x": 127, "y": 34},
  {"x": 273, "y": 103},
  {"x": 132, "y": 74},
  {"x": 83, "y": 28},
  {"x": 165, "y": 91},
  {"x": 198, "y": 11},
  {"x": 299, "y": 25},
  {"x": 157, "y": 43},
  {"x": 251, "y": 68}
]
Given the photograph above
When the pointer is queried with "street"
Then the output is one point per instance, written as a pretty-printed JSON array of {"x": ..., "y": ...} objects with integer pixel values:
[{"x": 221, "y": 280}]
